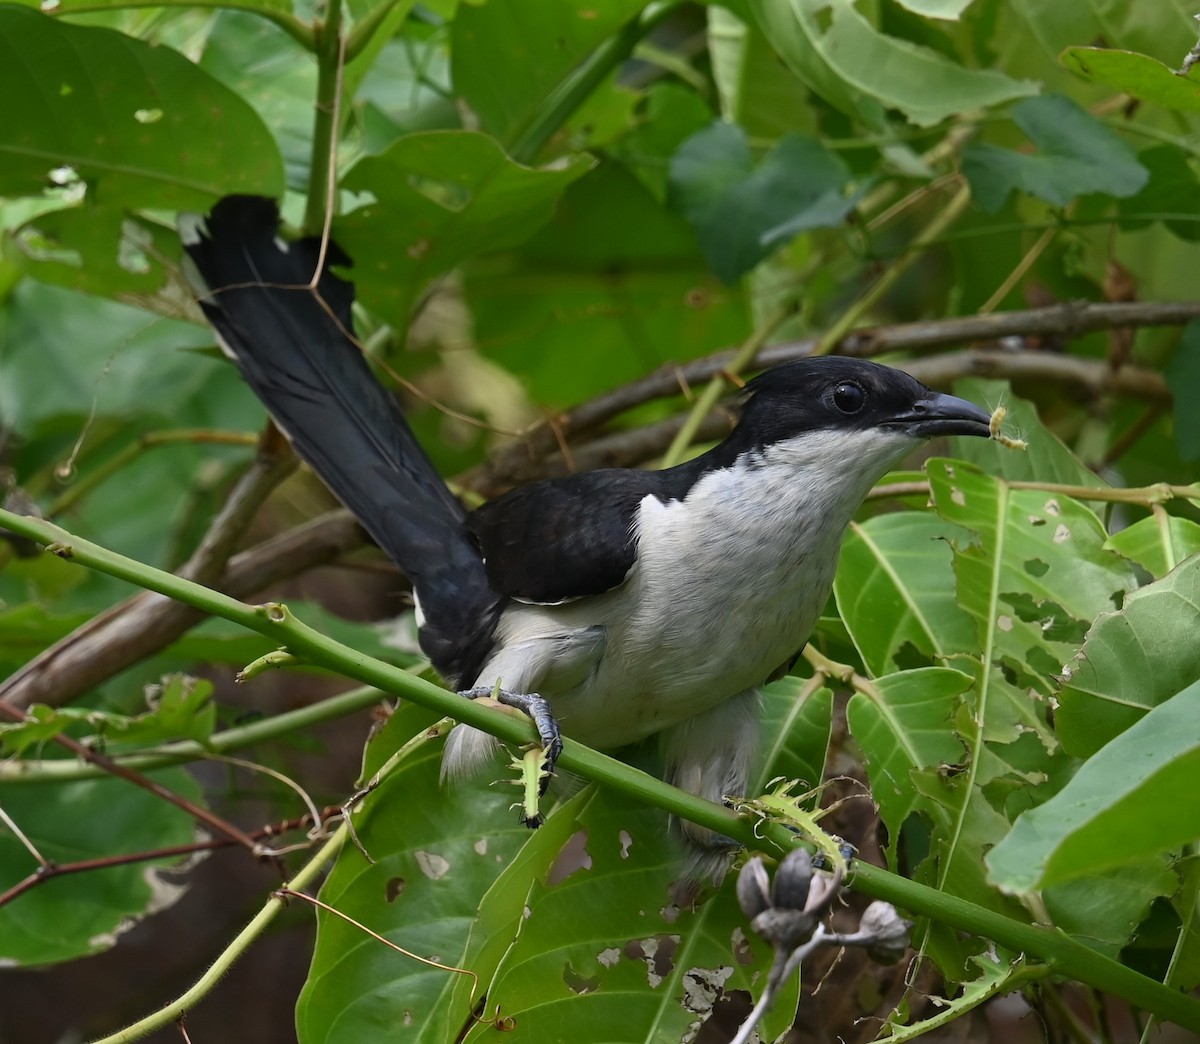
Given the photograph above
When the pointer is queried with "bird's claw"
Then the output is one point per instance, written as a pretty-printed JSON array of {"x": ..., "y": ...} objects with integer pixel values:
[{"x": 538, "y": 709}]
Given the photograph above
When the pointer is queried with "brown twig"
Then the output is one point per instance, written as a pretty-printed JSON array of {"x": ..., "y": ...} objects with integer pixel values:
[
  {"x": 148, "y": 622},
  {"x": 1064, "y": 320},
  {"x": 48, "y": 871}
]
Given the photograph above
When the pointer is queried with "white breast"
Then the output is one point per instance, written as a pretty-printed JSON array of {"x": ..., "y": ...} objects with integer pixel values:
[{"x": 728, "y": 585}]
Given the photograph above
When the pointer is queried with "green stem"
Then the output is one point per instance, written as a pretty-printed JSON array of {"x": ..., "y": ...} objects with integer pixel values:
[
  {"x": 575, "y": 89},
  {"x": 62, "y": 770},
  {"x": 323, "y": 159},
  {"x": 1067, "y": 956},
  {"x": 361, "y": 34}
]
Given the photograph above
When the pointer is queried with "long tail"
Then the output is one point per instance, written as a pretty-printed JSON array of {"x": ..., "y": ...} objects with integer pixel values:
[{"x": 295, "y": 349}]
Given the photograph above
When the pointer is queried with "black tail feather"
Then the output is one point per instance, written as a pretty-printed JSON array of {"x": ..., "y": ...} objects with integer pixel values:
[{"x": 296, "y": 350}]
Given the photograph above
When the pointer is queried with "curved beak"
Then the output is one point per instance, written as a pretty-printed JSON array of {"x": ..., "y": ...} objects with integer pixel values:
[{"x": 940, "y": 414}]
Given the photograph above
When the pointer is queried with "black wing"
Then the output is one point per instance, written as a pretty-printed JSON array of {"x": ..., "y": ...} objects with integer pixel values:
[{"x": 563, "y": 538}]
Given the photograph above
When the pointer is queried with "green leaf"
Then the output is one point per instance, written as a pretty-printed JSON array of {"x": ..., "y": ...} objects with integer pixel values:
[
  {"x": 1139, "y": 75},
  {"x": 435, "y": 852},
  {"x": 612, "y": 286},
  {"x": 1122, "y": 805},
  {"x": 1035, "y": 578},
  {"x": 180, "y": 708},
  {"x": 1158, "y": 543},
  {"x": 1172, "y": 195},
  {"x": 141, "y": 125},
  {"x": 841, "y": 56},
  {"x": 1077, "y": 155},
  {"x": 600, "y": 953},
  {"x": 904, "y": 723},
  {"x": 795, "y": 733},
  {"x": 94, "y": 249},
  {"x": 268, "y": 69},
  {"x": 1183, "y": 377},
  {"x": 741, "y": 212},
  {"x": 1132, "y": 661},
  {"x": 507, "y": 59},
  {"x": 1105, "y": 909},
  {"x": 895, "y": 591},
  {"x": 84, "y": 913},
  {"x": 440, "y": 197}
]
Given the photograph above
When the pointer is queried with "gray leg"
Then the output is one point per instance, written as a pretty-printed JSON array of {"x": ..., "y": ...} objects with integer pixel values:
[{"x": 538, "y": 708}]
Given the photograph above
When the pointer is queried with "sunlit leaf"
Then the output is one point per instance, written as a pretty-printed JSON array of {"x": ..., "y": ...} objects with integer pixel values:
[
  {"x": 1158, "y": 543},
  {"x": 1132, "y": 661},
  {"x": 1138, "y": 75},
  {"x": 836, "y": 51},
  {"x": 1121, "y": 806}
]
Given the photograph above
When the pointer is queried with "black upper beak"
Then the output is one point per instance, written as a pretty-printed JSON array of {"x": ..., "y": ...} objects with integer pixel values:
[{"x": 939, "y": 414}]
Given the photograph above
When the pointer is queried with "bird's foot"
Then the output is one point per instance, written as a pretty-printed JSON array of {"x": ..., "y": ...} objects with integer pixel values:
[{"x": 538, "y": 708}]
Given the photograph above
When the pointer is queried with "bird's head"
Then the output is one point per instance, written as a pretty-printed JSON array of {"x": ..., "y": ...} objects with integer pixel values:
[{"x": 853, "y": 414}]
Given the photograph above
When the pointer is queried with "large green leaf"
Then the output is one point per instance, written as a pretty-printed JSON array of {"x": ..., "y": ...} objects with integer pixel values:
[
  {"x": 1122, "y": 806},
  {"x": 895, "y": 591},
  {"x": 1045, "y": 459},
  {"x": 598, "y": 951},
  {"x": 904, "y": 724},
  {"x": 1158, "y": 543},
  {"x": 83, "y": 913},
  {"x": 834, "y": 49},
  {"x": 141, "y": 125},
  {"x": 440, "y": 197},
  {"x": 508, "y": 58},
  {"x": 1132, "y": 661},
  {"x": 1077, "y": 155},
  {"x": 610, "y": 288},
  {"x": 743, "y": 212},
  {"x": 95, "y": 249},
  {"x": 1172, "y": 195},
  {"x": 434, "y": 854},
  {"x": 1139, "y": 75},
  {"x": 1037, "y": 575}
]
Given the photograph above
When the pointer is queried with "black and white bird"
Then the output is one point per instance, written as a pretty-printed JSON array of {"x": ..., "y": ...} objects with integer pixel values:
[{"x": 620, "y": 603}]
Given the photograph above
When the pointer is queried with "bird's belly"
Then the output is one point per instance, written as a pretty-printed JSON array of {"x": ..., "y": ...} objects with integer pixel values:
[{"x": 677, "y": 658}]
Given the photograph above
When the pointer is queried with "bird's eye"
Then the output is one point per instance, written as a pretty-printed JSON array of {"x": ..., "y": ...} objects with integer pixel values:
[{"x": 848, "y": 397}]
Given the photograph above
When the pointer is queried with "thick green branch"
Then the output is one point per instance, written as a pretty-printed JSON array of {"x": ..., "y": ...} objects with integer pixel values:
[{"x": 1068, "y": 957}]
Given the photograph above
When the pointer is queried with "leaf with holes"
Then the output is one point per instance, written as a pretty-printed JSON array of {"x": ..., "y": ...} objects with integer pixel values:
[
  {"x": 84, "y": 913},
  {"x": 141, "y": 126},
  {"x": 1132, "y": 661},
  {"x": 435, "y": 852},
  {"x": 440, "y": 197}
]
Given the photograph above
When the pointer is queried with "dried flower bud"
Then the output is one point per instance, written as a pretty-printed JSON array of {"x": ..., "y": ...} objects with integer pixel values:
[
  {"x": 889, "y": 931},
  {"x": 792, "y": 880},
  {"x": 753, "y": 888},
  {"x": 784, "y": 929}
]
